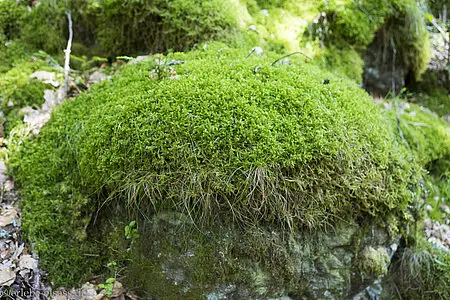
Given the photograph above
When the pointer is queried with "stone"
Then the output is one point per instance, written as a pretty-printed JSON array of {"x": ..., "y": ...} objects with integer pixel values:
[
  {"x": 46, "y": 77},
  {"x": 97, "y": 77},
  {"x": 320, "y": 265}
]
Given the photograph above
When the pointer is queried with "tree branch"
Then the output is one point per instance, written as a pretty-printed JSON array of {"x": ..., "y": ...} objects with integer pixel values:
[{"x": 67, "y": 56}]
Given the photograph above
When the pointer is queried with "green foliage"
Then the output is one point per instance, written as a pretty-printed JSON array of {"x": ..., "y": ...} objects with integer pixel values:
[
  {"x": 437, "y": 6},
  {"x": 131, "y": 232},
  {"x": 354, "y": 25},
  {"x": 12, "y": 15},
  {"x": 438, "y": 190},
  {"x": 216, "y": 138},
  {"x": 427, "y": 136},
  {"x": 108, "y": 287},
  {"x": 112, "y": 27},
  {"x": 45, "y": 27},
  {"x": 11, "y": 18},
  {"x": 433, "y": 94}
]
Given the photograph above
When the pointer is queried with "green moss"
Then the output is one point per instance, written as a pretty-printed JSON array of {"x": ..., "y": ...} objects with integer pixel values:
[
  {"x": 131, "y": 27},
  {"x": 223, "y": 139},
  {"x": 356, "y": 23},
  {"x": 343, "y": 62},
  {"x": 373, "y": 261},
  {"x": 426, "y": 134},
  {"x": 353, "y": 26}
]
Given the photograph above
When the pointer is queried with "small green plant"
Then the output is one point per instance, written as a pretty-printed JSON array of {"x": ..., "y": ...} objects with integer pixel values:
[
  {"x": 108, "y": 287},
  {"x": 85, "y": 64},
  {"x": 131, "y": 232}
]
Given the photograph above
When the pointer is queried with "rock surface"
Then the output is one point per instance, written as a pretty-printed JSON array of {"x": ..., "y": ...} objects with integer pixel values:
[{"x": 227, "y": 263}]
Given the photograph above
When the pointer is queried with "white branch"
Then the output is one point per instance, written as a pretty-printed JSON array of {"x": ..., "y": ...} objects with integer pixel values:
[{"x": 67, "y": 58}]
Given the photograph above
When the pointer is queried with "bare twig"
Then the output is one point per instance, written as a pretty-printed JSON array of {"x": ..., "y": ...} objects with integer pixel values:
[
  {"x": 251, "y": 52},
  {"x": 293, "y": 53},
  {"x": 67, "y": 57}
]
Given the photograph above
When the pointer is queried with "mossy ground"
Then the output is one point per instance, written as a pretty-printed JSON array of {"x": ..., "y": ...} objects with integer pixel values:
[{"x": 282, "y": 145}]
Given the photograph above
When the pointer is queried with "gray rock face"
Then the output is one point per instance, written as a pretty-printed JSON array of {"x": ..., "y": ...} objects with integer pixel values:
[{"x": 223, "y": 262}]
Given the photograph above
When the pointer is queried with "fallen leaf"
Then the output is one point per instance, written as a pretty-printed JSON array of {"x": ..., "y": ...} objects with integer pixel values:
[
  {"x": 27, "y": 262},
  {"x": 7, "y": 276}
]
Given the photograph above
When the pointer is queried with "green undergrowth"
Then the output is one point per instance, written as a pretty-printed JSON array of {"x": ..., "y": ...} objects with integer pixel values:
[
  {"x": 111, "y": 28},
  {"x": 18, "y": 90},
  {"x": 425, "y": 134},
  {"x": 433, "y": 94},
  {"x": 420, "y": 271},
  {"x": 218, "y": 136},
  {"x": 353, "y": 26},
  {"x": 12, "y": 15},
  {"x": 437, "y": 101}
]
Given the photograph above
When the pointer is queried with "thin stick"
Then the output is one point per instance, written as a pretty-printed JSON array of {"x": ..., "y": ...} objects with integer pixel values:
[
  {"x": 67, "y": 58},
  {"x": 293, "y": 53}
]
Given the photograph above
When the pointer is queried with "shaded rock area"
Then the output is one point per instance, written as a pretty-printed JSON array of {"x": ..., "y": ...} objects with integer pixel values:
[
  {"x": 176, "y": 259},
  {"x": 383, "y": 69}
]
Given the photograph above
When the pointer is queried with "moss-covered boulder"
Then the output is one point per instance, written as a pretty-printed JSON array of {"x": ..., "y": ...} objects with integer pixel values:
[{"x": 217, "y": 136}]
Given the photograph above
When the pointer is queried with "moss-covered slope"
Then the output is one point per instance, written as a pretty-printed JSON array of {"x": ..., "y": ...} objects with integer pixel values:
[
  {"x": 215, "y": 135},
  {"x": 424, "y": 133}
]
